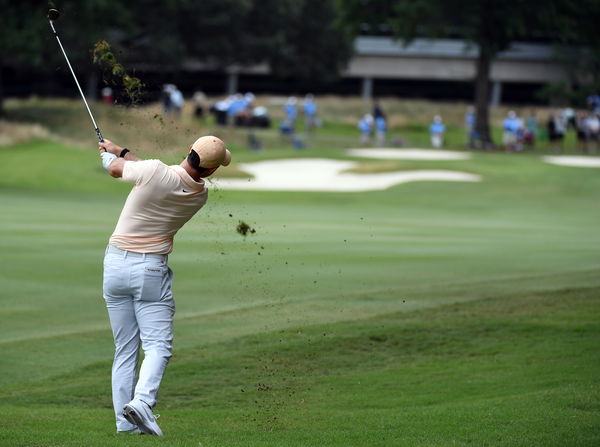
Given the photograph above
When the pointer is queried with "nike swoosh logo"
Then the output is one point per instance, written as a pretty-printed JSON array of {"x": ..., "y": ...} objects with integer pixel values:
[{"x": 185, "y": 191}]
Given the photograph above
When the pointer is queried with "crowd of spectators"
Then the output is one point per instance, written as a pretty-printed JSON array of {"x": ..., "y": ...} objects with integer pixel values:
[
  {"x": 521, "y": 134},
  {"x": 301, "y": 119}
]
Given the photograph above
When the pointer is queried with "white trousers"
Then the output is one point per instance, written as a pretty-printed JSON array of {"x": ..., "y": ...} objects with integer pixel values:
[
  {"x": 436, "y": 140},
  {"x": 137, "y": 291}
]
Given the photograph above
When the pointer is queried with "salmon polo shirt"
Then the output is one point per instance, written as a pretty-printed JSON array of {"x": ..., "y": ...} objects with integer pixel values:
[{"x": 163, "y": 199}]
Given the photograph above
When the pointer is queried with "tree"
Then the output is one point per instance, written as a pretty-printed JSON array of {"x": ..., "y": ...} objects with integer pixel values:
[
  {"x": 294, "y": 37},
  {"x": 491, "y": 25},
  {"x": 577, "y": 28},
  {"x": 309, "y": 43},
  {"x": 26, "y": 40},
  {"x": 21, "y": 38}
]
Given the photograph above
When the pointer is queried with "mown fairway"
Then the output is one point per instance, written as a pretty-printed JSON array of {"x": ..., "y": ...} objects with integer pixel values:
[{"x": 430, "y": 314}]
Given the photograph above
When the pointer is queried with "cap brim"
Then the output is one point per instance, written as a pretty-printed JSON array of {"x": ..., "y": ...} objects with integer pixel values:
[{"x": 227, "y": 158}]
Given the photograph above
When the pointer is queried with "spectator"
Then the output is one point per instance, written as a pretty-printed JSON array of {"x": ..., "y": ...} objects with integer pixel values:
[
  {"x": 380, "y": 130},
  {"x": 513, "y": 131},
  {"x": 219, "y": 110},
  {"x": 556, "y": 131},
  {"x": 594, "y": 103},
  {"x": 436, "y": 131},
  {"x": 289, "y": 134},
  {"x": 531, "y": 130},
  {"x": 365, "y": 125},
  {"x": 107, "y": 95},
  {"x": 310, "y": 113},
  {"x": 177, "y": 101},
  {"x": 470, "y": 126},
  {"x": 260, "y": 117},
  {"x": 165, "y": 98},
  {"x": 581, "y": 129},
  {"x": 249, "y": 98},
  {"x": 569, "y": 117},
  {"x": 235, "y": 103},
  {"x": 290, "y": 110},
  {"x": 377, "y": 110},
  {"x": 243, "y": 114},
  {"x": 199, "y": 104},
  {"x": 287, "y": 128},
  {"x": 592, "y": 127}
]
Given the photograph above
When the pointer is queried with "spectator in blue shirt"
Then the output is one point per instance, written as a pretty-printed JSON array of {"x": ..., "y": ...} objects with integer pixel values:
[
  {"x": 236, "y": 106},
  {"x": 291, "y": 112},
  {"x": 594, "y": 103},
  {"x": 470, "y": 126},
  {"x": 310, "y": 112},
  {"x": 436, "y": 131},
  {"x": 365, "y": 125},
  {"x": 513, "y": 130}
]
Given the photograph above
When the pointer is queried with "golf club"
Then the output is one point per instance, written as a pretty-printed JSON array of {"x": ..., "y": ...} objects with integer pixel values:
[{"x": 53, "y": 15}]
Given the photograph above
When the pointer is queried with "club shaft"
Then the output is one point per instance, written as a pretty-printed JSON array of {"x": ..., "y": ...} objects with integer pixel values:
[{"x": 98, "y": 133}]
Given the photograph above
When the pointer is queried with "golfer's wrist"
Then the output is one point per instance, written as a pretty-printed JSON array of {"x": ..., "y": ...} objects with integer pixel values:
[{"x": 107, "y": 159}]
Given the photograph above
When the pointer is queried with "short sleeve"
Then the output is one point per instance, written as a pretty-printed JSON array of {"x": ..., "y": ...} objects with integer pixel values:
[{"x": 139, "y": 171}]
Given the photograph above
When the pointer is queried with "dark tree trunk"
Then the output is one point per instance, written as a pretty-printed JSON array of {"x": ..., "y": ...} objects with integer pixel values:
[
  {"x": 2, "y": 111},
  {"x": 482, "y": 97},
  {"x": 91, "y": 86}
]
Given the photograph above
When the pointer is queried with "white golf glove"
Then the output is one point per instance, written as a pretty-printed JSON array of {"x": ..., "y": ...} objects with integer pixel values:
[{"x": 107, "y": 159}]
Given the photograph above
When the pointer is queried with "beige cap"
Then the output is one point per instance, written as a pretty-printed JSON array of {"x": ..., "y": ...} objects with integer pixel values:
[{"x": 212, "y": 152}]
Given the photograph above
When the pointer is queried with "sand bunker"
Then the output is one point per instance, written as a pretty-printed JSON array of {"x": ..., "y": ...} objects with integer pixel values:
[
  {"x": 315, "y": 174},
  {"x": 409, "y": 154},
  {"x": 573, "y": 160}
]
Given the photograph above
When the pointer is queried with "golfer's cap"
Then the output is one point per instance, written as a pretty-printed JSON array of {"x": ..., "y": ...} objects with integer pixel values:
[{"x": 212, "y": 152}]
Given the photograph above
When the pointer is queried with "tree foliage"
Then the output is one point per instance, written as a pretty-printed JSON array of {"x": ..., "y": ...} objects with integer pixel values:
[
  {"x": 296, "y": 38},
  {"x": 311, "y": 44},
  {"x": 577, "y": 28},
  {"x": 20, "y": 37}
]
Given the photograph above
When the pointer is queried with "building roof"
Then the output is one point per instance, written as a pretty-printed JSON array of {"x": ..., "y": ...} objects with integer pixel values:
[{"x": 450, "y": 48}]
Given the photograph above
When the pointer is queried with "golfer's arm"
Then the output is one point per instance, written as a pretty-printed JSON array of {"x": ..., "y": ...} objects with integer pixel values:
[
  {"x": 130, "y": 157},
  {"x": 115, "y": 169}
]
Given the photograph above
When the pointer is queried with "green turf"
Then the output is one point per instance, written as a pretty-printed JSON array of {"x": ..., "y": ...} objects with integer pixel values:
[{"x": 429, "y": 314}]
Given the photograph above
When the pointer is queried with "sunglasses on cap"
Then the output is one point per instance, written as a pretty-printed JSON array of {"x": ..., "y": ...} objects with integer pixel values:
[{"x": 194, "y": 161}]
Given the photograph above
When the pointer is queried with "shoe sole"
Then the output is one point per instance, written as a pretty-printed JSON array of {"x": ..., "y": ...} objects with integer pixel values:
[{"x": 132, "y": 415}]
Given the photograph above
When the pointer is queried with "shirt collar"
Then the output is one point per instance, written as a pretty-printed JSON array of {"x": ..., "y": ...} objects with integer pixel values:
[{"x": 187, "y": 179}]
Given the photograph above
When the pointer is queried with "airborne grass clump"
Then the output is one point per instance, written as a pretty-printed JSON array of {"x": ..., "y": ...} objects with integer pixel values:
[
  {"x": 133, "y": 86},
  {"x": 114, "y": 73},
  {"x": 243, "y": 228}
]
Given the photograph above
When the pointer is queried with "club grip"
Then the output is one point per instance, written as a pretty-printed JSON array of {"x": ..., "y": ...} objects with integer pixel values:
[{"x": 99, "y": 134}]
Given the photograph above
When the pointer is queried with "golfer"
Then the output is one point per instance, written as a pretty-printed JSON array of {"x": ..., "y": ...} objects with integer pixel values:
[{"x": 137, "y": 279}]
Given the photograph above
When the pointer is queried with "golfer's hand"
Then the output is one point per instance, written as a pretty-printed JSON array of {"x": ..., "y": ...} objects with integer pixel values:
[{"x": 109, "y": 146}]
